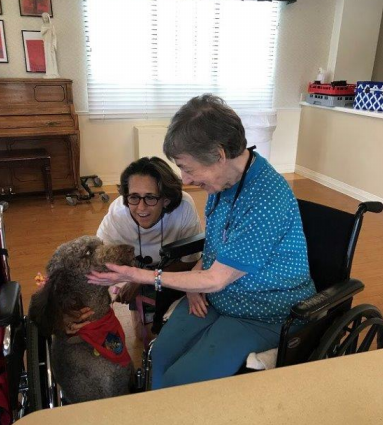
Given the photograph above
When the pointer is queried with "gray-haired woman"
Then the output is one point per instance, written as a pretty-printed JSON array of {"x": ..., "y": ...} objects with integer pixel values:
[{"x": 254, "y": 265}]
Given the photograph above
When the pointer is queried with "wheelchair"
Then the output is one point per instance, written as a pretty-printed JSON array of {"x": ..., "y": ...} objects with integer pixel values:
[
  {"x": 73, "y": 199},
  {"x": 332, "y": 327},
  {"x": 22, "y": 390}
]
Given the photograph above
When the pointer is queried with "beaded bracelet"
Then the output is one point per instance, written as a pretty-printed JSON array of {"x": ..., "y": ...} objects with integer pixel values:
[{"x": 157, "y": 280}]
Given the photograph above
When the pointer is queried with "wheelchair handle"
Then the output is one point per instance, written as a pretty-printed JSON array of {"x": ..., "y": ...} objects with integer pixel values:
[{"x": 374, "y": 207}]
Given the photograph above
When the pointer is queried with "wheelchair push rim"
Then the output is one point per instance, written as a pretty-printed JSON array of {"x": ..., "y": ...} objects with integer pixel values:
[
  {"x": 43, "y": 391},
  {"x": 354, "y": 332}
]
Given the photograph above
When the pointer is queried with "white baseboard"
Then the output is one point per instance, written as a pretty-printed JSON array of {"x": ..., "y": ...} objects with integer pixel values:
[
  {"x": 337, "y": 185},
  {"x": 284, "y": 168},
  {"x": 110, "y": 179}
]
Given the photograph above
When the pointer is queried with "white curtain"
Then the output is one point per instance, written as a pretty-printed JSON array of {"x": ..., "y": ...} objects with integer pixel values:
[{"x": 146, "y": 58}]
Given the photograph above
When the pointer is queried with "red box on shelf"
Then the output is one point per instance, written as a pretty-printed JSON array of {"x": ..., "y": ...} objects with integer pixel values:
[{"x": 332, "y": 89}]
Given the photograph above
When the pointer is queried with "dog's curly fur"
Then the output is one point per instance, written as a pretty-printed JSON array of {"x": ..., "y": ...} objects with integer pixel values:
[{"x": 81, "y": 375}]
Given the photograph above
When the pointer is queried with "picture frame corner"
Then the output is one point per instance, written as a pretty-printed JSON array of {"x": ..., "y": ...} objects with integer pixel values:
[
  {"x": 33, "y": 53},
  {"x": 3, "y": 44},
  {"x": 29, "y": 8}
]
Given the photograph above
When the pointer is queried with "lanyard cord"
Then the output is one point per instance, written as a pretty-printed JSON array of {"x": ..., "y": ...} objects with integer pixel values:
[
  {"x": 239, "y": 188},
  {"x": 238, "y": 191},
  {"x": 147, "y": 260},
  {"x": 241, "y": 182}
]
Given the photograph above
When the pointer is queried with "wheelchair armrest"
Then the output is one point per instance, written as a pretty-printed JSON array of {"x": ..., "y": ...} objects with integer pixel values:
[
  {"x": 183, "y": 247},
  {"x": 9, "y": 301},
  {"x": 375, "y": 207},
  {"x": 324, "y": 300}
]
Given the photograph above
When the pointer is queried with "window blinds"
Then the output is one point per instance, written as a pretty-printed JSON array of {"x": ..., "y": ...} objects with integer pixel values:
[{"x": 146, "y": 58}]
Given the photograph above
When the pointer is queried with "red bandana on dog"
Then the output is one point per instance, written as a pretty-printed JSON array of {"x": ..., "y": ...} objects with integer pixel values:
[{"x": 108, "y": 338}]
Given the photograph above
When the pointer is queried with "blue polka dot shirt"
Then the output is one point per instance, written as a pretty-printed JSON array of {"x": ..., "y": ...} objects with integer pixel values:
[{"x": 264, "y": 239}]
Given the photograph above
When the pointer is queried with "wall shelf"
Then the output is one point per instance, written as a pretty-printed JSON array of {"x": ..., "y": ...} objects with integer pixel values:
[{"x": 346, "y": 110}]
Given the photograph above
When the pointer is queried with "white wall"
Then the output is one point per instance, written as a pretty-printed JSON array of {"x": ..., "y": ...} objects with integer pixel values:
[
  {"x": 284, "y": 144},
  {"x": 298, "y": 59},
  {"x": 342, "y": 150},
  {"x": 107, "y": 146},
  {"x": 338, "y": 148},
  {"x": 377, "y": 74},
  {"x": 67, "y": 19},
  {"x": 304, "y": 41},
  {"x": 358, "y": 39}
]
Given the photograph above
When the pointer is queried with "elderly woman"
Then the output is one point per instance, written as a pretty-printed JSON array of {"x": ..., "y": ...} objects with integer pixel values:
[{"x": 254, "y": 265}]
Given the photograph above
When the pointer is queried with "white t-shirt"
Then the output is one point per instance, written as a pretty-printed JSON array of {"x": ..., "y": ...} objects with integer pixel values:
[{"x": 118, "y": 227}]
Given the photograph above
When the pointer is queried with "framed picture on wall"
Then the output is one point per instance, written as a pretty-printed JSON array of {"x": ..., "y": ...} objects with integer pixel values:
[
  {"x": 1, "y": 9},
  {"x": 35, "y": 7},
  {"x": 34, "y": 51},
  {"x": 3, "y": 45}
]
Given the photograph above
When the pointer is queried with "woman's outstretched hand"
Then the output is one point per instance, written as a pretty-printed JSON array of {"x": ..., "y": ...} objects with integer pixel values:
[{"x": 117, "y": 274}]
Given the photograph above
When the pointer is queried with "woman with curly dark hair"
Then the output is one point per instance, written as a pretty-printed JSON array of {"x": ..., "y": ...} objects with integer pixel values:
[{"x": 152, "y": 211}]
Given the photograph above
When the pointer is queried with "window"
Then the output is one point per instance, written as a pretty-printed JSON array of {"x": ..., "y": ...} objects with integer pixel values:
[{"x": 146, "y": 58}]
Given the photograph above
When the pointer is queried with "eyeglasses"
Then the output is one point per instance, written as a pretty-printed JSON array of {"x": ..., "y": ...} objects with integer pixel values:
[{"x": 149, "y": 200}]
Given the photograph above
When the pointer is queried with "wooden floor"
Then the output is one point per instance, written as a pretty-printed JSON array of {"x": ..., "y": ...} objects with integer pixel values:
[{"x": 34, "y": 230}]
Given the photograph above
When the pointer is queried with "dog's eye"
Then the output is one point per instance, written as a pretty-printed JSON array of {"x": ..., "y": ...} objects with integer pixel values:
[{"x": 88, "y": 253}]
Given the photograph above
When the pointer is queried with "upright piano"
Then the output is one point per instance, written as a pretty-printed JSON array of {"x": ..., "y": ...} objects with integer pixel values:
[{"x": 39, "y": 113}]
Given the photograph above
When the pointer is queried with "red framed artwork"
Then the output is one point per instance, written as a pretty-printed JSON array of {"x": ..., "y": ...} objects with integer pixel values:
[
  {"x": 35, "y": 7},
  {"x": 3, "y": 45},
  {"x": 34, "y": 51}
]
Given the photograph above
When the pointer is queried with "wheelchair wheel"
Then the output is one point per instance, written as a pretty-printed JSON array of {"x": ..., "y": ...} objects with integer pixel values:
[
  {"x": 360, "y": 329},
  {"x": 97, "y": 182},
  {"x": 105, "y": 197},
  {"x": 71, "y": 201},
  {"x": 5, "y": 205},
  {"x": 42, "y": 392}
]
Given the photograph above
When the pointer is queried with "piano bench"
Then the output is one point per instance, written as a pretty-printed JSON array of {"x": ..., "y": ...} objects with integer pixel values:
[{"x": 36, "y": 157}]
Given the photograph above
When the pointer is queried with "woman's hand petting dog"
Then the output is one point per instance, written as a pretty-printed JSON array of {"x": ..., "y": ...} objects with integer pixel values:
[
  {"x": 119, "y": 274},
  {"x": 75, "y": 320}
]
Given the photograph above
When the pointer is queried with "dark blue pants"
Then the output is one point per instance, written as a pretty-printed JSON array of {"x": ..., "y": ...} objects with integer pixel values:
[{"x": 190, "y": 349}]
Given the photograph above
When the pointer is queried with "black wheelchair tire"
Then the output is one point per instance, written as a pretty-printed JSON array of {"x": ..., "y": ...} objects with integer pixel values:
[
  {"x": 105, "y": 197},
  {"x": 342, "y": 337},
  {"x": 71, "y": 201},
  {"x": 33, "y": 368},
  {"x": 97, "y": 182}
]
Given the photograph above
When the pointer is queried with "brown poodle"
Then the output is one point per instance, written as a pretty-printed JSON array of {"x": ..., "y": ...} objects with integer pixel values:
[{"x": 83, "y": 371}]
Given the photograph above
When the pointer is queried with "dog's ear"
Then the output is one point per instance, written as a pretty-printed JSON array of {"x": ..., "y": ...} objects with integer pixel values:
[
  {"x": 57, "y": 297},
  {"x": 42, "y": 309}
]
